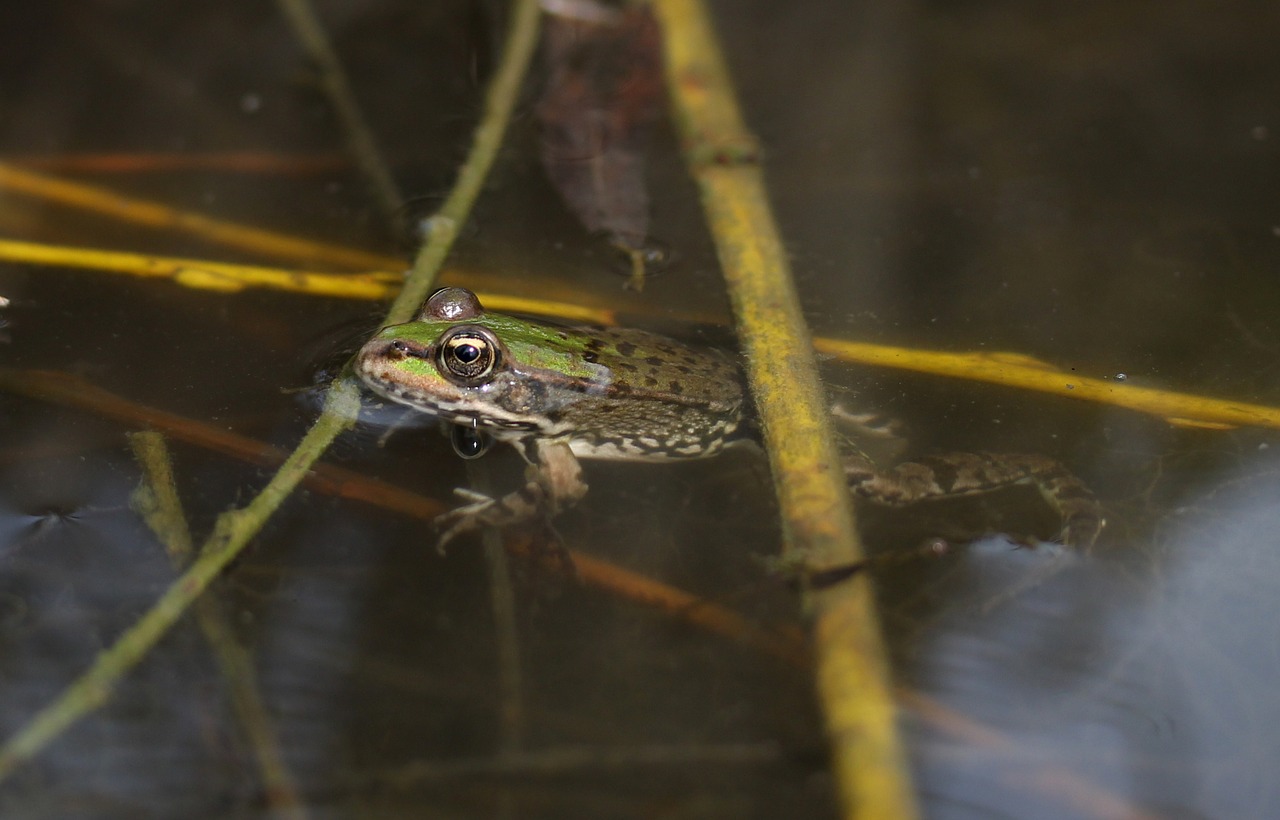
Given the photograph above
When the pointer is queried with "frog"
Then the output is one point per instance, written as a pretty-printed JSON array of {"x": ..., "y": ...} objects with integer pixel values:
[{"x": 561, "y": 395}]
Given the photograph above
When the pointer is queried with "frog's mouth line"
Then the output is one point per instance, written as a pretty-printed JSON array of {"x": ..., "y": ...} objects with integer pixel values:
[{"x": 493, "y": 419}]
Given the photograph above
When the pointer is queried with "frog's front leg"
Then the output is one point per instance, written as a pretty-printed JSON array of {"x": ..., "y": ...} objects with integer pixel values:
[
  {"x": 553, "y": 483},
  {"x": 962, "y": 474}
]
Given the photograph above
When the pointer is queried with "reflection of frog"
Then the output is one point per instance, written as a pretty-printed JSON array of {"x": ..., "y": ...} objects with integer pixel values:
[{"x": 560, "y": 394}]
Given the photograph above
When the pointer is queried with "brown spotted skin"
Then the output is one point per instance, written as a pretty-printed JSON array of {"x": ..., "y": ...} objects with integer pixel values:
[
  {"x": 666, "y": 400},
  {"x": 956, "y": 475}
]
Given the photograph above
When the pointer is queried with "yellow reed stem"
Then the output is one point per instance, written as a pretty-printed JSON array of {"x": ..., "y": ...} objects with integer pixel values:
[
  {"x": 205, "y": 274},
  {"x": 853, "y": 676},
  {"x": 1016, "y": 370},
  {"x": 229, "y": 278},
  {"x": 1009, "y": 369}
]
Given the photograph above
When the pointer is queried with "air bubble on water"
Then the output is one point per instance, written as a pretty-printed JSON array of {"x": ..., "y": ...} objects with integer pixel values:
[
  {"x": 1121, "y": 376},
  {"x": 436, "y": 224}
]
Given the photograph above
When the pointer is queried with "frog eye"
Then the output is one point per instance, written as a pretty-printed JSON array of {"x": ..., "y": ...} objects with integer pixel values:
[{"x": 468, "y": 354}]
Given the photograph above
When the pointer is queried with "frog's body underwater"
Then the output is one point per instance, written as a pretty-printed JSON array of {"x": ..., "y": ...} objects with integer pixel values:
[{"x": 558, "y": 394}]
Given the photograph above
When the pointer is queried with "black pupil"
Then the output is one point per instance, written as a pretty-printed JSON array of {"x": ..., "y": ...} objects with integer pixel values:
[{"x": 466, "y": 353}]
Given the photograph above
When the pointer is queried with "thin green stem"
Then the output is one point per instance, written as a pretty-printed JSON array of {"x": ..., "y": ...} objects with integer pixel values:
[
  {"x": 232, "y": 531},
  {"x": 235, "y": 528},
  {"x": 156, "y": 499},
  {"x": 442, "y": 229}
]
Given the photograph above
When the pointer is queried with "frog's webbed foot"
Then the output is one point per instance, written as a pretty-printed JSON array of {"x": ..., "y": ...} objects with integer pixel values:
[
  {"x": 955, "y": 475},
  {"x": 875, "y": 437},
  {"x": 465, "y": 519},
  {"x": 553, "y": 482}
]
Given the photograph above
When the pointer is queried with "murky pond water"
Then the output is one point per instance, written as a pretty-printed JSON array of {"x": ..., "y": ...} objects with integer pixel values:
[{"x": 1091, "y": 184}]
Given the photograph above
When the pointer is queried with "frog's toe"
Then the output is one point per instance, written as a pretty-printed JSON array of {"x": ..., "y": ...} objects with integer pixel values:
[
  {"x": 462, "y": 520},
  {"x": 1081, "y": 531}
]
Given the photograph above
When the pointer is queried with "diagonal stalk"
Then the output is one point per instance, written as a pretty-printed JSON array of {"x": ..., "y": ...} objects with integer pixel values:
[
  {"x": 235, "y": 528},
  {"x": 868, "y": 762}
]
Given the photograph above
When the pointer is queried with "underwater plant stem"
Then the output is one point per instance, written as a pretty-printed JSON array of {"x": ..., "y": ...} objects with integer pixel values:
[
  {"x": 853, "y": 684},
  {"x": 234, "y": 529},
  {"x": 500, "y": 99},
  {"x": 311, "y": 34},
  {"x": 786, "y": 645},
  {"x": 231, "y": 533},
  {"x": 506, "y": 624},
  {"x": 156, "y": 499}
]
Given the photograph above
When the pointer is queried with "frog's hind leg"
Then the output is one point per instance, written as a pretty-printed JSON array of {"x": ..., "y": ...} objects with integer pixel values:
[{"x": 956, "y": 475}]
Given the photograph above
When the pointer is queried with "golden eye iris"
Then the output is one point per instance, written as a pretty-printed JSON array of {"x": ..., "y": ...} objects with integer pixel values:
[{"x": 468, "y": 355}]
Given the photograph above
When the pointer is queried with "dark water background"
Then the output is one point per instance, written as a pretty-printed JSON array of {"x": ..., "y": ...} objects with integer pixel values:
[{"x": 1094, "y": 184}]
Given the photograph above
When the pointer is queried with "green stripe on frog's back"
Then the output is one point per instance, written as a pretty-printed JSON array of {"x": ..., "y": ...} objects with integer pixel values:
[{"x": 622, "y": 394}]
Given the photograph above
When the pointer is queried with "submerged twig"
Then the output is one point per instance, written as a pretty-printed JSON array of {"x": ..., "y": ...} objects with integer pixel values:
[
  {"x": 156, "y": 499},
  {"x": 502, "y": 603},
  {"x": 685, "y": 607},
  {"x": 565, "y": 761},
  {"x": 442, "y": 229},
  {"x": 250, "y": 162},
  {"x": 506, "y": 631},
  {"x": 306, "y": 27},
  {"x": 235, "y": 528},
  {"x": 63, "y": 388},
  {"x": 231, "y": 533}
]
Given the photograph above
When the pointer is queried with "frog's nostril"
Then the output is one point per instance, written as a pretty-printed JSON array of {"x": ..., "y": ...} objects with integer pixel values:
[{"x": 398, "y": 347}]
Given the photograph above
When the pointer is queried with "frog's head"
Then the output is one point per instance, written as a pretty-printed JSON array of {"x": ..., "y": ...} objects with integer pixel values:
[{"x": 468, "y": 366}]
